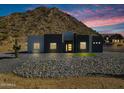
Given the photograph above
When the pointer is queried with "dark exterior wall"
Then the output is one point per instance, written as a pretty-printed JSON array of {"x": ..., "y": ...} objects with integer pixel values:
[
  {"x": 75, "y": 43},
  {"x": 53, "y": 38},
  {"x": 90, "y": 43},
  {"x": 67, "y": 36},
  {"x": 97, "y": 47},
  {"x": 32, "y": 40},
  {"x": 78, "y": 39}
]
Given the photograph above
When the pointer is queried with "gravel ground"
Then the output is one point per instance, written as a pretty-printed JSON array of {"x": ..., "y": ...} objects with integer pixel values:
[
  {"x": 8, "y": 63},
  {"x": 64, "y": 65},
  {"x": 113, "y": 49}
]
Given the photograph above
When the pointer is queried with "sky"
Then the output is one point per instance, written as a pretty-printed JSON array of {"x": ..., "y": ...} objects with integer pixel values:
[{"x": 104, "y": 18}]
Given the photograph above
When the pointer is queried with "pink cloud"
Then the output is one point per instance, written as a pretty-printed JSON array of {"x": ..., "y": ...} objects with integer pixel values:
[
  {"x": 88, "y": 11},
  {"x": 111, "y": 32},
  {"x": 105, "y": 9},
  {"x": 98, "y": 11},
  {"x": 104, "y": 22},
  {"x": 76, "y": 13},
  {"x": 108, "y": 8}
]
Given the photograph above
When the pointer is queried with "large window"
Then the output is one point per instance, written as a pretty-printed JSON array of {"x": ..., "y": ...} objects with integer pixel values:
[
  {"x": 36, "y": 45},
  {"x": 82, "y": 45},
  {"x": 52, "y": 45}
]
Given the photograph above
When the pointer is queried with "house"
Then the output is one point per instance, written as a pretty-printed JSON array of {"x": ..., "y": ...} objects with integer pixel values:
[
  {"x": 67, "y": 42},
  {"x": 113, "y": 39}
]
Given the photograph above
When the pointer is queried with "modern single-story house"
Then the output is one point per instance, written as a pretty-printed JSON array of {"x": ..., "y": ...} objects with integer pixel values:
[{"x": 68, "y": 42}]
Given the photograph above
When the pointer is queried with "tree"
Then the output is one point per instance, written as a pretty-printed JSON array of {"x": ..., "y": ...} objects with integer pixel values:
[
  {"x": 117, "y": 36},
  {"x": 16, "y": 48}
]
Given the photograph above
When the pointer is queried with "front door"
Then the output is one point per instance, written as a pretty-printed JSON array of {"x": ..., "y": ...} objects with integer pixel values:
[{"x": 69, "y": 47}]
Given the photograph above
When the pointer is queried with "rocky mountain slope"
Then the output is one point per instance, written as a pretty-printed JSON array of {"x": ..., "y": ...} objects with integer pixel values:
[{"x": 39, "y": 21}]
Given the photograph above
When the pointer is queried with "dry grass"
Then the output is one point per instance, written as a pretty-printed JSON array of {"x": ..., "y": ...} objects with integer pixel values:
[
  {"x": 9, "y": 47},
  {"x": 12, "y": 81}
]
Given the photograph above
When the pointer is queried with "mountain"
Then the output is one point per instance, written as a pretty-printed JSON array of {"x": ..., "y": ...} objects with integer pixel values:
[{"x": 39, "y": 21}]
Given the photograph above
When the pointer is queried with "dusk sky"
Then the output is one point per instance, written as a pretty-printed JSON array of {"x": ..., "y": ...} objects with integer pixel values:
[{"x": 102, "y": 18}]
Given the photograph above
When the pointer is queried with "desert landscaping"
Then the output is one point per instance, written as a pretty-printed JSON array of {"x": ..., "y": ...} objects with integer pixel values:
[{"x": 60, "y": 70}]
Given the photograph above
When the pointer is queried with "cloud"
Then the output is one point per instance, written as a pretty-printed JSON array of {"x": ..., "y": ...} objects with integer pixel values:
[
  {"x": 104, "y": 22},
  {"x": 94, "y": 13},
  {"x": 88, "y": 11},
  {"x": 108, "y": 8},
  {"x": 118, "y": 28},
  {"x": 104, "y": 10},
  {"x": 111, "y": 32}
]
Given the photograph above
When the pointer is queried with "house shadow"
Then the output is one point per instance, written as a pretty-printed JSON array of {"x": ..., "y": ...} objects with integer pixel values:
[
  {"x": 22, "y": 52},
  {"x": 12, "y": 57}
]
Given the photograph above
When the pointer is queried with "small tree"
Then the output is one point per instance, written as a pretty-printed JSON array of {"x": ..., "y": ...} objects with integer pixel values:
[
  {"x": 16, "y": 48},
  {"x": 117, "y": 36}
]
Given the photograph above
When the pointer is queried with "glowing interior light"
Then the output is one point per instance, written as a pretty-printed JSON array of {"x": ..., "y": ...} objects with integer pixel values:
[
  {"x": 82, "y": 45},
  {"x": 52, "y": 45},
  {"x": 37, "y": 45}
]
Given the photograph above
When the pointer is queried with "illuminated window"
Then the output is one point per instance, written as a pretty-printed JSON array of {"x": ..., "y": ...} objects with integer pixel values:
[
  {"x": 99, "y": 42},
  {"x": 52, "y": 45},
  {"x": 82, "y": 45},
  {"x": 69, "y": 47},
  {"x": 36, "y": 45}
]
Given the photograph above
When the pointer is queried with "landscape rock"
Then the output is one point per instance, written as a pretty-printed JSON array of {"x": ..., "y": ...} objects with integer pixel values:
[{"x": 61, "y": 66}]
